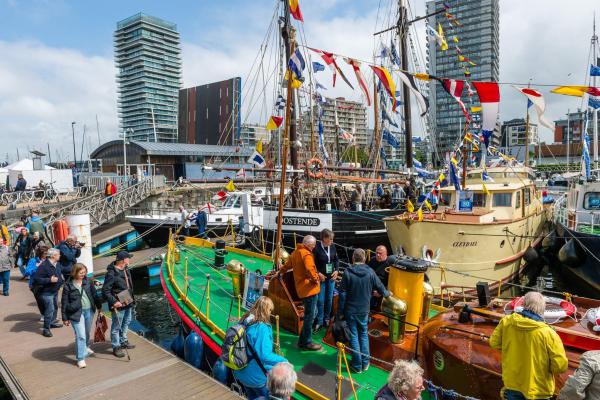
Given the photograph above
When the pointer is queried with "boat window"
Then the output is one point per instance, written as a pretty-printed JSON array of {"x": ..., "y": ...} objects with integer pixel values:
[
  {"x": 501, "y": 199},
  {"x": 518, "y": 202},
  {"x": 445, "y": 198},
  {"x": 527, "y": 196},
  {"x": 232, "y": 202},
  {"x": 479, "y": 199},
  {"x": 591, "y": 201}
]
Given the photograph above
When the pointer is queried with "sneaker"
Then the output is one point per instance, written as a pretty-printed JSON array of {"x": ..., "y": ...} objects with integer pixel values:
[
  {"x": 355, "y": 371},
  {"x": 90, "y": 351},
  {"x": 317, "y": 328},
  {"x": 118, "y": 352},
  {"x": 5, "y": 294},
  {"x": 81, "y": 364},
  {"x": 366, "y": 368},
  {"x": 312, "y": 347},
  {"x": 128, "y": 346},
  {"x": 47, "y": 333},
  {"x": 56, "y": 325},
  {"x": 42, "y": 318}
]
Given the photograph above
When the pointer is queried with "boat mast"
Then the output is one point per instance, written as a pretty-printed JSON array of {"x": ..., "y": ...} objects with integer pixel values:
[
  {"x": 402, "y": 34},
  {"x": 595, "y": 61},
  {"x": 287, "y": 33},
  {"x": 527, "y": 132}
]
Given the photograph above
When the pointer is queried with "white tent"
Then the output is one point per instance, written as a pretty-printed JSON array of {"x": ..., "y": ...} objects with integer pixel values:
[{"x": 25, "y": 164}]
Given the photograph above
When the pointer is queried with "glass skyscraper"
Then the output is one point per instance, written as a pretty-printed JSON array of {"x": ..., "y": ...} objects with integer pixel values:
[
  {"x": 148, "y": 60},
  {"x": 479, "y": 40}
]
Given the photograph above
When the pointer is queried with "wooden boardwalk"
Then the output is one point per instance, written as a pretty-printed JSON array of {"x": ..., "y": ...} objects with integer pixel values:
[
  {"x": 141, "y": 258},
  {"x": 45, "y": 367},
  {"x": 104, "y": 235}
]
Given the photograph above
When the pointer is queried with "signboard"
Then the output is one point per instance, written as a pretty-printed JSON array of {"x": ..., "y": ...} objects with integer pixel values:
[
  {"x": 465, "y": 201},
  {"x": 301, "y": 222},
  {"x": 298, "y": 220},
  {"x": 253, "y": 288}
]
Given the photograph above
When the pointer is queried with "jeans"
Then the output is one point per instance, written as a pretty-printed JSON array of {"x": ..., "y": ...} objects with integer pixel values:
[
  {"x": 5, "y": 280},
  {"x": 82, "y": 333},
  {"x": 324, "y": 302},
  {"x": 255, "y": 393},
  {"x": 21, "y": 264},
  {"x": 185, "y": 231},
  {"x": 202, "y": 230},
  {"x": 120, "y": 324},
  {"x": 50, "y": 301},
  {"x": 359, "y": 340},
  {"x": 515, "y": 395},
  {"x": 310, "y": 311}
]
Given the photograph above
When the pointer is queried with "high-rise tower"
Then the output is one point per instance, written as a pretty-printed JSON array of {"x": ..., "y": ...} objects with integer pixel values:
[{"x": 148, "y": 60}]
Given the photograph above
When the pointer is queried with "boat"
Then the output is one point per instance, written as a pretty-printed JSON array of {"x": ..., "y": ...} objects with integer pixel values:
[
  {"x": 577, "y": 222},
  {"x": 489, "y": 240}
]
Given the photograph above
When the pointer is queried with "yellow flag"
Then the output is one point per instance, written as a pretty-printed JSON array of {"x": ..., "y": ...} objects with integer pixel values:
[
  {"x": 259, "y": 146},
  {"x": 444, "y": 45},
  {"x": 423, "y": 77},
  {"x": 295, "y": 82},
  {"x": 485, "y": 189},
  {"x": 475, "y": 109},
  {"x": 230, "y": 186},
  {"x": 428, "y": 205},
  {"x": 455, "y": 39},
  {"x": 420, "y": 214},
  {"x": 409, "y": 206},
  {"x": 441, "y": 178},
  {"x": 454, "y": 160},
  {"x": 577, "y": 91}
]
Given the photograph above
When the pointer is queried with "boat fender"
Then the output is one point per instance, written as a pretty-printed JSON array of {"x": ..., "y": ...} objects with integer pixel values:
[
  {"x": 550, "y": 241},
  {"x": 530, "y": 255},
  {"x": 310, "y": 168},
  {"x": 193, "y": 349},
  {"x": 567, "y": 309},
  {"x": 177, "y": 344},
  {"x": 593, "y": 315},
  {"x": 220, "y": 371},
  {"x": 571, "y": 254}
]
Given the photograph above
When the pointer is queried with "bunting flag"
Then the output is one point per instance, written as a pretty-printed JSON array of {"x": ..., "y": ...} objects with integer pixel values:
[
  {"x": 296, "y": 83},
  {"x": 230, "y": 186},
  {"x": 394, "y": 54},
  {"x": 319, "y": 85},
  {"x": 485, "y": 189},
  {"x": 329, "y": 59},
  {"x": 274, "y": 123},
  {"x": 420, "y": 214},
  {"x": 383, "y": 155},
  {"x": 257, "y": 159},
  {"x": 317, "y": 66},
  {"x": 346, "y": 135},
  {"x": 322, "y": 140},
  {"x": 475, "y": 109},
  {"x": 409, "y": 206},
  {"x": 585, "y": 158},
  {"x": 467, "y": 60},
  {"x": 454, "y": 176},
  {"x": 384, "y": 52},
  {"x": 390, "y": 138},
  {"x": 489, "y": 97},
  {"x": 444, "y": 45},
  {"x": 409, "y": 81},
  {"x": 577, "y": 91},
  {"x": 538, "y": 101},
  {"x": 386, "y": 117},
  {"x": 380, "y": 191},
  {"x": 359, "y": 77},
  {"x": 485, "y": 177},
  {"x": 280, "y": 103},
  {"x": 594, "y": 102},
  {"x": 259, "y": 146},
  {"x": 594, "y": 70},
  {"x": 441, "y": 41},
  {"x": 387, "y": 82},
  {"x": 241, "y": 173},
  {"x": 427, "y": 204},
  {"x": 220, "y": 195},
  {"x": 454, "y": 88},
  {"x": 296, "y": 63},
  {"x": 295, "y": 10}
]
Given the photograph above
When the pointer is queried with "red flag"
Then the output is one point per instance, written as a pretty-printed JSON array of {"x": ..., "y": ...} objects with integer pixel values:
[
  {"x": 329, "y": 59},
  {"x": 454, "y": 88},
  {"x": 359, "y": 77},
  {"x": 387, "y": 82},
  {"x": 295, "y": 10}
]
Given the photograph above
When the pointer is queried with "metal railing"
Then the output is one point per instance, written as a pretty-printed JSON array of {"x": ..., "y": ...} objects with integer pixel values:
[
  {"x": 579, "y": 220},
  {"x": 103, "y": 209},
  {"x": 44, "y": 196}
]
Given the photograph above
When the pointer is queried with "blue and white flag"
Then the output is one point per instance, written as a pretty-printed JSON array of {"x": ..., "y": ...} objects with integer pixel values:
[
  {"x": 585, "y": 158},
  {"x": 391, "y": 139},
  {"x": 594, "y": 102},
  {"x": 454, "y": 176},
  {"x": 485, "y": 177},
  {"x": 322, "y": 141},
  {"x": 383, "y": 155},
  {"x": 386, "y": 117},
  {"x": 317, "y": 66},
  {"x": 417, "y": 163},
  {"x": 297, "y": 64},
  {"x": 394, "y": 55},
  {"x": 318, "y": 85},
  {"x": 594, "y": 70},
  {"x": 280, "y": 103},
  {"x": 257, "y": 159},
  {"x": 380, "y": 190}
]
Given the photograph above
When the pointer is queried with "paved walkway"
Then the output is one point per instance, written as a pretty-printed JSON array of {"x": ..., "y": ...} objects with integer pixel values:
[{"x": 45, "y": 367}]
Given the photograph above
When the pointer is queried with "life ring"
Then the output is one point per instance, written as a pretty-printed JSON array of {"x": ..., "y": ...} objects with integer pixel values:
[
  {"x": 567, "y": 309},
  {"x": 311, "y": 164},
  {"x": 60, "y": 231}
]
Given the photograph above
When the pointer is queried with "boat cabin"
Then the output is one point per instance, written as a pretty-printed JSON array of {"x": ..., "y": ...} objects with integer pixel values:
[{"x": 582, "y": 207}]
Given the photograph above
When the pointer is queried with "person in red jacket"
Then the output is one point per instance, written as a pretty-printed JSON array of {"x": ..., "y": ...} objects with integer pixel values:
[{"x": 110, "y": 189}]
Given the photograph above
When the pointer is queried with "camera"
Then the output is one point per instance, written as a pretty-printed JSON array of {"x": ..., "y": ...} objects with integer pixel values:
[{"x": 81, "y": 244}]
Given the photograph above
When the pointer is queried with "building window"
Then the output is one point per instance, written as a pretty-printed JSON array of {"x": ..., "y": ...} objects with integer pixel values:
[
  {"x": 479, "y": 199},
  {"x": 501, "y": 199},
  {"x": 206, "y": 112},
  {"x": 220, "y": 93},
  {"x": 219, "y": 110}
]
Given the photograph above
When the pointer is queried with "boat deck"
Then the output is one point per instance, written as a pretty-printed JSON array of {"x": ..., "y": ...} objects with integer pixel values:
[
  {"x": 35, "y": 367},
  {"x": 315, "y": 369}
]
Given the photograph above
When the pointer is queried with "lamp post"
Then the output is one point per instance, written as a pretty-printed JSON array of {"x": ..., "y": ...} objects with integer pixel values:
[
  {"x": 130, "y": 131},
  {"x": 74, "y": 152}
]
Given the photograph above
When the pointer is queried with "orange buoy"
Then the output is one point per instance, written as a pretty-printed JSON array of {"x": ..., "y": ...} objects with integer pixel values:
[{"x": 60, "y": 231}]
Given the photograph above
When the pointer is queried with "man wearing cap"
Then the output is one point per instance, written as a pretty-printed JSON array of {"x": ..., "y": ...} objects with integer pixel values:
[{"x": 118, "y": 291}]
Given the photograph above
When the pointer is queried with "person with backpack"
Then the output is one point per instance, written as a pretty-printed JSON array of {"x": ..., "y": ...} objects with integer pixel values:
[{"x": 254, "y": 336}]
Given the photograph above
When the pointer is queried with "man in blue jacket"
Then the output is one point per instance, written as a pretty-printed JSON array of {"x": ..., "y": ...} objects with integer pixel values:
[
  {"x": 70, "y": 249},
  {"x": 357, "y": 287},
  {"x": 49, "y": 280},
  {"x": 201, "y": 222}
]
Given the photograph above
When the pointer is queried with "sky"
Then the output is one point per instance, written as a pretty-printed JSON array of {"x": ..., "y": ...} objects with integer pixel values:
[{"x": 56, "y": 57}]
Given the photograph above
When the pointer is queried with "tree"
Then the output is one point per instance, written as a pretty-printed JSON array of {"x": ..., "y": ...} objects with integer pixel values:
[{"x": 354, "y": 153}]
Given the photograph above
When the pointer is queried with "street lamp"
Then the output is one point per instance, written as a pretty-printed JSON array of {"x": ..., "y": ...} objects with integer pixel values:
[
  {"x": 74, "y": 153},
  {"x": 130, "y": 131}
]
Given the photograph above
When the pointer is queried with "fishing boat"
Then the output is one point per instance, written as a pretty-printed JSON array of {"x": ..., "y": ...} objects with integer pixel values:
[{"x": 489, "y": 239}]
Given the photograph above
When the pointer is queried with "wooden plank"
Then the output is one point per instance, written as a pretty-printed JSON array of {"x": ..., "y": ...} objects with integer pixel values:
[{"x": 30, "y": 357}]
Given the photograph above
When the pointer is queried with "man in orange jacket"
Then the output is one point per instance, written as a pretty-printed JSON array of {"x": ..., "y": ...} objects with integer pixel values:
[{"x": 307, "y": 281}]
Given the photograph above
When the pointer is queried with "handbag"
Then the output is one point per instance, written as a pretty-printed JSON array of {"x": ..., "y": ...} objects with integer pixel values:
[
  {"x": 340, "y": 331},
  {"x": 124, "y": 296}
]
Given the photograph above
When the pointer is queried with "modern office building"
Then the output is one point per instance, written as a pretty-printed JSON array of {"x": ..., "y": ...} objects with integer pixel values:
[
  {"x": 250, "y": 134},
  {"x": 478, "y": 40},
  {"x": 210, "y": 114},
  {"x": 352, "y": 118},
  {"x": 513, "y": 133},
  {"x": 148, "y": 61}
]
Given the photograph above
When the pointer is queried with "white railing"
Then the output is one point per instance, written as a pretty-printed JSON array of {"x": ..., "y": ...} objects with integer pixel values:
[
  {"x": 578, "y": 220},
  {"x": 44, "y": 196}
]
